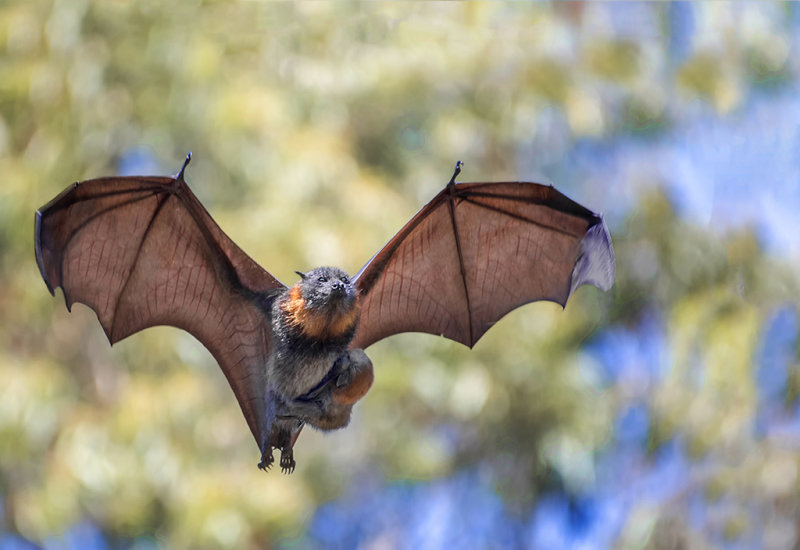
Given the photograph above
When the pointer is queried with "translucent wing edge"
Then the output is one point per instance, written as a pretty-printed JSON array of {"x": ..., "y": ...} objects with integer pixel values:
[
  {"x": 595, "y": 265},
  {"x": 37, "y": 239}
]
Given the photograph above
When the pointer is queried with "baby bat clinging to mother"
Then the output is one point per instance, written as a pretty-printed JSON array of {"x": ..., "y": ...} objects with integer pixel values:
[{"x": 143, "y": 251}]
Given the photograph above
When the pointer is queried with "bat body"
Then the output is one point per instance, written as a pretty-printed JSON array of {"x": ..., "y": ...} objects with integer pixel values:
[
  {"x": 312, "y": 325},
  {"x": 310, "y": 374},
  {"x": 143, "y": 251}
]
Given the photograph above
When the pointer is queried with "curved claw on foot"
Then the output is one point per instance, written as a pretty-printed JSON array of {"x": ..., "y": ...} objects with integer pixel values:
[
  {"x": 287, "y": 462},
  {"x": 266, "y": 462}
]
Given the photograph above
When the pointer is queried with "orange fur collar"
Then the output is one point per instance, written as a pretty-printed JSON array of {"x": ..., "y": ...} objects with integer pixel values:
[{"x": 317, "y": 325}]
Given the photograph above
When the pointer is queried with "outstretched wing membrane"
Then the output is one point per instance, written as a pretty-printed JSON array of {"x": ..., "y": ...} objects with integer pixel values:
[
  {"x": 143, "y": 251},
  {"x": 476, "y": 252}
]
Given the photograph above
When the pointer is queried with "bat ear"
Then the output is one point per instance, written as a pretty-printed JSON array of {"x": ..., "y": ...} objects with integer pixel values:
[{"x": 302, "y": 275}]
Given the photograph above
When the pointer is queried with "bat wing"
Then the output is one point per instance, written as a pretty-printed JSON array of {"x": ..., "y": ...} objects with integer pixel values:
[
  {"x": 476, "y": 252},
  {"x": 143, "y": 251}
]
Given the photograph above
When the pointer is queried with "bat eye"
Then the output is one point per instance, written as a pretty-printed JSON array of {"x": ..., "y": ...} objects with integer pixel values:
[
  {"x": 344, "y": 280},
  {"x": 322, "y": 279}
]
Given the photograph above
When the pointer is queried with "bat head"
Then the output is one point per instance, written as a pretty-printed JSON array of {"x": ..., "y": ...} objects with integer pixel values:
[{"x": 327, "y": 289}]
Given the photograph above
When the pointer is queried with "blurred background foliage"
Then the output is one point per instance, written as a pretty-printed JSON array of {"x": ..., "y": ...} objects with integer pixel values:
[{"x": 662, "y": 414}]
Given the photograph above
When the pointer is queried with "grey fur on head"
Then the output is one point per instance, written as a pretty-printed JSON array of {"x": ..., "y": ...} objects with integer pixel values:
[{"x": 326, "y": 287}]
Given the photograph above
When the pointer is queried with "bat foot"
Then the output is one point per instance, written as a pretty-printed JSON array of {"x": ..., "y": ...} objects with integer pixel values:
[
  {"x": 287, "y": 461},
  {"x": 266, "y": 461}
]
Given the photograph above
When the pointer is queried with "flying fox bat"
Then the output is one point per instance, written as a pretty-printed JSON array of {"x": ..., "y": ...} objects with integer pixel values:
[{"x": 143, "y": 251}]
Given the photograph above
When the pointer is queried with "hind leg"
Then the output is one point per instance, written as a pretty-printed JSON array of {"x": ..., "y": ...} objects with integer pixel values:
[
  {"x": 282, "y": 438},
  {"x": 287, "y": 460},
  {"x": 266, "y": 460}
]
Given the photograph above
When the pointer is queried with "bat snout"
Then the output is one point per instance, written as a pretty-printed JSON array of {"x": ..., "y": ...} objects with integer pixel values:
[{"x": 342, "y": 291}]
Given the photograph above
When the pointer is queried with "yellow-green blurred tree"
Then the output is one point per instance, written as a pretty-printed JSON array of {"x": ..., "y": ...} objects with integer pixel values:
[{"x": 317, "y": 129}]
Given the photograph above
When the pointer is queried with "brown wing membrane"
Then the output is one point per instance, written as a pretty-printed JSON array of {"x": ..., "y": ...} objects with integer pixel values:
[
  {"x": 476, "y": 252},
  {"x": 141, "y": 252}
]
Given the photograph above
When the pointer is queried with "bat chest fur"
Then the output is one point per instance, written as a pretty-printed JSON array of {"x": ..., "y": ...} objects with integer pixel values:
[
  {"x": 295, "y": 376},
  {"x": 307, "y": 342}
]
